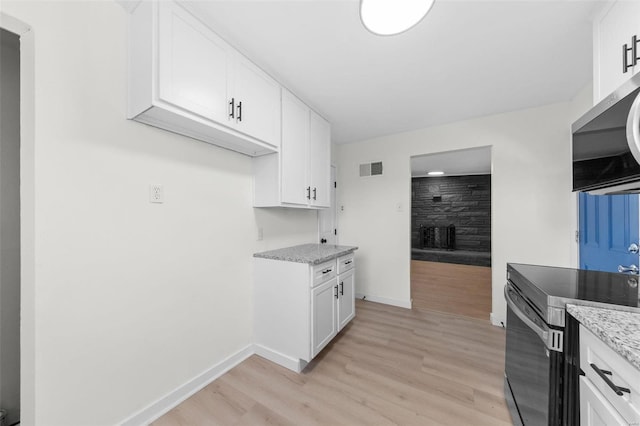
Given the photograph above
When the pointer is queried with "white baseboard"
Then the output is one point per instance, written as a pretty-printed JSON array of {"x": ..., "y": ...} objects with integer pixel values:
[
  {"x": 286, "y": 361},
  {"x": 172, "y": 399},
  {"x": 498, "y": 322},
  {"x": 393, "y": 302}
]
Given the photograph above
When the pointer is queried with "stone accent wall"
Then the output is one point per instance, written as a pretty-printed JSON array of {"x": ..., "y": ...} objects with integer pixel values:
[{"x": 464, "y": 201}]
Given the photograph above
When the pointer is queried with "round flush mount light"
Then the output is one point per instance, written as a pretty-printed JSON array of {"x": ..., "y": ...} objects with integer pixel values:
[
  {"x": 389, "y": 17},
  {"x": 435, "y": 173}
]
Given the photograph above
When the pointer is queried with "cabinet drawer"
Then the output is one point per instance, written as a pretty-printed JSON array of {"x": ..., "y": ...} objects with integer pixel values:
[
  {"x": 594, "y": 408},
  {"x": 346, "y": 262},
  {"x": 600, "y": 364},
  {"x": 323, "y": 272}
]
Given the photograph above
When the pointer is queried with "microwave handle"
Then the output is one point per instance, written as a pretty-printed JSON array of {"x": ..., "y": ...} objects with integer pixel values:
[{"x": 633, "y": 129}]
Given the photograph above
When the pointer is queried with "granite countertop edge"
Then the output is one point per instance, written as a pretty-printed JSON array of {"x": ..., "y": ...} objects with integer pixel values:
[
  {"x": 312, "y": 254},
  {"x": 618, "y": 329}
]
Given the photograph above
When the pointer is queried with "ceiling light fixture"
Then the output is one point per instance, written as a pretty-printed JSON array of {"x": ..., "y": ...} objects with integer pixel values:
[
  {"x": 435, "y": 173},
  {"x": 389, "y": 17}
]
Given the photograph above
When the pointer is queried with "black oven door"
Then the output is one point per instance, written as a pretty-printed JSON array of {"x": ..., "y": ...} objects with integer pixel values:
[{"x": 532, "y": 370}]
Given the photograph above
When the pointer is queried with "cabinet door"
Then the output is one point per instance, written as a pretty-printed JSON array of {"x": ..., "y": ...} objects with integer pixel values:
[
  {"x": 320, "y": 161},
  {"x": 323, "y": 315},
  {"x": 193, "y": 64},
  {"x": 346, "y": 301},
  {"x": 594, "y": 408},
  {"x": 257, "y": 101},
  {"x": 616, "y": 26},
  {"x": 293, "y": 150}
]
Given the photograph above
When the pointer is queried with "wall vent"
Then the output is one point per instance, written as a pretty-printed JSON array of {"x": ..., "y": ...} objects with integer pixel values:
[{"x": 371, "y": 169}]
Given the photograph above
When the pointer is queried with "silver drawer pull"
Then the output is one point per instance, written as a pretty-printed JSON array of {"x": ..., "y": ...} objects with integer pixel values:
[
  {"x": 326, "y": 271},
  {"x": 348, "y": 262}
]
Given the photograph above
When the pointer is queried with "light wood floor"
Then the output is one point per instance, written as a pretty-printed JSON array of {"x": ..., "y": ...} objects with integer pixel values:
[
  {"x": 447, "y": 287},
  {"x": 389, "y": 366}
]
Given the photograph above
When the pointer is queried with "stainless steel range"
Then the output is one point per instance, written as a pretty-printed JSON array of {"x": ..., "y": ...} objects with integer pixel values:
[{"x": 541, "y": 363}]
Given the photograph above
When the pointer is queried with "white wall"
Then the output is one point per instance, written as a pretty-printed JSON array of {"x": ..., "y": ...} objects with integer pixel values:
[
  {"x": 580, "y": 104},
  {"x": 131, "y": 299},
  {"x": 10, "y": 226},
  {"x": 531, "y": 196}
]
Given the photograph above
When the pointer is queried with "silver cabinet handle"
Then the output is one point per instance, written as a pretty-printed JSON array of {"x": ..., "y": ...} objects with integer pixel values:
[
  {"x": 232, "y": 107},
  {"x": 633, "y": 269}
]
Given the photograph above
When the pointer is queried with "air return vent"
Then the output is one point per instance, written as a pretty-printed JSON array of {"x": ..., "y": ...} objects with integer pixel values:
[{"x": 371, "y": 169}]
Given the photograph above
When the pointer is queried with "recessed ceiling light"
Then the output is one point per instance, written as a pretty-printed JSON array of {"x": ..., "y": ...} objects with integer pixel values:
[
  {"x": 435, "y": 173},
  {"x": 389, "y": 17}
]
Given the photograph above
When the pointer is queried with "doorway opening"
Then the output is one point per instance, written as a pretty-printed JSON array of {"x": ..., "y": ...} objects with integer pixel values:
[
  {"x": 451, "y": 232},
  {"x": 328, "y": 218},
  {"x": 9, "y": 227}
]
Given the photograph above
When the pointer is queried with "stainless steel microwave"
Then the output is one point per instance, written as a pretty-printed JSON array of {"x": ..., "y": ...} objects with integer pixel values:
[{"x": 606, "y": 144}]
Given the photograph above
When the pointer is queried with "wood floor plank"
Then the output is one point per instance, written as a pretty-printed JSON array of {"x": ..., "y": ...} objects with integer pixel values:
[
  {"x": 447, "y": 287},
  {"x": 390, "y": 366}
]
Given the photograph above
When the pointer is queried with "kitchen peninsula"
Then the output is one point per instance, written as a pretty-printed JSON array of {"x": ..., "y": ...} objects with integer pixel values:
[{"x": 303, "y": 296}]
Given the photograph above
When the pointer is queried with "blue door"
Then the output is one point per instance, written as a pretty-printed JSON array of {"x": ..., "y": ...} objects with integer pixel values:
[{"x": 608, "y": 226}]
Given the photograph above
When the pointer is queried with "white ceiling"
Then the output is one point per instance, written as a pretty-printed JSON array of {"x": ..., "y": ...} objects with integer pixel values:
[
  {"x": 465, "y": 59},
  {"x": 473, "y": 161}
]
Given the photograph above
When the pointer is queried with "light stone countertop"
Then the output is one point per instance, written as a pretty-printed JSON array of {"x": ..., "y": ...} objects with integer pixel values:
[
  {"x": 312, "y": 254},
  {"x": 620, "y": 330}
]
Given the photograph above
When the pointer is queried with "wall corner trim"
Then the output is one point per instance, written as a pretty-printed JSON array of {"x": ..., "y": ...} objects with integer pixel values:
[
  {"x": 156, "y": 409},
  {"x": 393, "y": 302}
]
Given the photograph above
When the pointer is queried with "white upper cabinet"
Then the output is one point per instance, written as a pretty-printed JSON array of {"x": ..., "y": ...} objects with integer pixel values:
[
  {"x": 614, "y": 27},
  {"x": 319, "y": 161},
  {"x": 186, "y": 79},
  {"x": 256, "y": 98},
  {"x": 300, "y": 174},
  {"x": 193, "y": 64},
  {"x": 294, "y": 150}
]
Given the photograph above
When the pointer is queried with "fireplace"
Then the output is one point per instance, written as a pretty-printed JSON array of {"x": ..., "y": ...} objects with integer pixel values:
[{"x": 438, "y": 237}]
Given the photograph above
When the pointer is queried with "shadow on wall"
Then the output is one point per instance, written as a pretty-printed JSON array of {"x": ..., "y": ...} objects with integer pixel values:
[{"x": 451, "y": 219}]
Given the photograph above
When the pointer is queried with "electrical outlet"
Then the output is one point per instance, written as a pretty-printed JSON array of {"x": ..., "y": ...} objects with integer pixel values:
[{"x": 156, "y": 194}]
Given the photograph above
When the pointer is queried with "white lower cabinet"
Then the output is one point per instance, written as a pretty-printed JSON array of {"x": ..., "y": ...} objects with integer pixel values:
[
  {"x": 610, "y": 387},
  {"x": 333, "y": 306},
  {"x": 595, "y": 410},
  {"x": 300, "y": 308},
  {"x": 347, "y": 300},
  {"x": 324, "y": 307}
]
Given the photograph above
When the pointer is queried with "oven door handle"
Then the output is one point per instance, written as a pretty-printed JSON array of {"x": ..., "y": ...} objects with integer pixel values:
[
  {"x": 553, "y": 339},
  {"x": 542, "y": 333}
]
